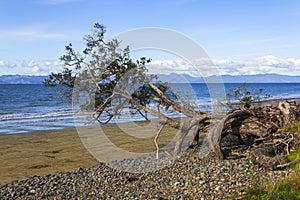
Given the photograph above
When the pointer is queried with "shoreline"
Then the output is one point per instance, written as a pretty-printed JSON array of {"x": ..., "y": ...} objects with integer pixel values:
[
  {"x": 73, "y": 126},
  {"x": 52, "y": 151}
]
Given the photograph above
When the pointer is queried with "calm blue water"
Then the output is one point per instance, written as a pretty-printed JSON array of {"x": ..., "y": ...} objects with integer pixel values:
[{"x": 27, "y": 108}]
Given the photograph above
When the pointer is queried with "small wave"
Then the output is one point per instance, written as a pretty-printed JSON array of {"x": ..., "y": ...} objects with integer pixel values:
[
  {"x": 286, "y": 97},
  {"x": 35, "y": 116}
]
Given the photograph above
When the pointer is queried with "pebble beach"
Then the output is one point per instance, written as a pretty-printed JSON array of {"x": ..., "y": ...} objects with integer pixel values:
[{"x": 188, "y": 177}]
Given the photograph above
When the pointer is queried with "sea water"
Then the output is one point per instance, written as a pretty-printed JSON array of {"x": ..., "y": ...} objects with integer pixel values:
[{"x": 25, "y": 108}]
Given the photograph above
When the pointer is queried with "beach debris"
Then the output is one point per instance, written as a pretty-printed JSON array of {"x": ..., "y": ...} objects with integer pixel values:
[{"x": 260, "y": 129}]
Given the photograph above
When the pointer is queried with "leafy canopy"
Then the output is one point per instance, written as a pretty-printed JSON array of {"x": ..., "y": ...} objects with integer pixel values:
[{"x": 108, "y": 80}]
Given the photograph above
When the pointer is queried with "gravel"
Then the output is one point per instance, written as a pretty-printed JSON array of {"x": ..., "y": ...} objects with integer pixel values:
[{"x": 188, "y": 177}]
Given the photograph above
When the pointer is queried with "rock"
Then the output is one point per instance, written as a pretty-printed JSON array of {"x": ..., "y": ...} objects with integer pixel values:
[{"x": 32, "y": 191}]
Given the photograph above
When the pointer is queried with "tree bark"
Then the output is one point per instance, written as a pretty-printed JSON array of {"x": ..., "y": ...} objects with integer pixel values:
[
  {"x": 284, "y": 107},
  {"x": 179, "y": 141}
]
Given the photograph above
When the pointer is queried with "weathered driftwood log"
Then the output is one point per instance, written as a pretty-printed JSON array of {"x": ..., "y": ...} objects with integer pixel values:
[
  {"x": 284, "y": 107},
  {"x": 261, "y": 155},
  {"x": 269, "y": 152},
  {"x": 262, "y": 125}
]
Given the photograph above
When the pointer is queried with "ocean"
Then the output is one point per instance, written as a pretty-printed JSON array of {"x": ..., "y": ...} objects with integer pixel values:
[{"x": 26, "y": 108}]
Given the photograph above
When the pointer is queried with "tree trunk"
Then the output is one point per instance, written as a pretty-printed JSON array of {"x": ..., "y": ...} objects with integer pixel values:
[
  {"x": 214, "y": 137},
  {"x": 284, "y": 107},
  {"x": 178, "y": 144}
]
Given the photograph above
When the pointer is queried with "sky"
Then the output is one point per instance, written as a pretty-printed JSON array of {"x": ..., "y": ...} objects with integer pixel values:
[{"x": 240, "y": 36}]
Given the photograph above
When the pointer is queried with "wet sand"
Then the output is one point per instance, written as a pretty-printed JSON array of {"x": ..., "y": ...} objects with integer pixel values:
[{"x": 49, "y": 152}]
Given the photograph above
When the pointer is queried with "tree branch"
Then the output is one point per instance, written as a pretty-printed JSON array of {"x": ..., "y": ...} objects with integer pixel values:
[{"x": 155, "y": 140}]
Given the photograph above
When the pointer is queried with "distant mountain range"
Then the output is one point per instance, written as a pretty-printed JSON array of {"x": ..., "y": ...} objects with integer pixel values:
[
  {"x": 21, "y": 79},
  {"x": 259, "y": 78},
  {"x": 174, "y": 78}
]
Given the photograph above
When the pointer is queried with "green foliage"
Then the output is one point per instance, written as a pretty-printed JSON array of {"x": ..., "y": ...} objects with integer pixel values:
[
  {"x": 256, "y": 192},
  {"x": 244, "y": 96},
  {"x": 104, "y": 73},
  {"x": 293, "y": 128},
  {"x": 294, "y": 156},
  {"x": 285, "y": 189},
  {"x": 288, "y": 189}
]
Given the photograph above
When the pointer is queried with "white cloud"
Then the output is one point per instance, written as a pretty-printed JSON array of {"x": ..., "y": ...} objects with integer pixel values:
[
  {"x": 206, "y": 67},
  {"x": 7, "y": 65},
  {"x": 293, "y": 61},
  {"x": 30, "y": 67},
  {"x": 31, "y": 63},
  {"x": 170, "y": 66},
  {"x": 35, "y": 69},
  {"x": 260, "y": 65},
  {"x": 200, "y": 67}
]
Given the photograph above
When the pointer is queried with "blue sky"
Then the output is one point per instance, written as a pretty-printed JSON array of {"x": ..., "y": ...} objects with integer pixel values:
[{"x": 241, "y": 37}]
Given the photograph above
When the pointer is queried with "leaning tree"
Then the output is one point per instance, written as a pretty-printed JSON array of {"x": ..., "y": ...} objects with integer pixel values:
[
  {"x": 112, "y": 81},
  {"x": 104, "y": 80}
]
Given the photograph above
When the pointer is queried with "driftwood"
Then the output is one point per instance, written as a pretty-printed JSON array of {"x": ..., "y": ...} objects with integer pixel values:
[
  {"x": 260, "y": 129},
  {"x": 262, "y": 155}
]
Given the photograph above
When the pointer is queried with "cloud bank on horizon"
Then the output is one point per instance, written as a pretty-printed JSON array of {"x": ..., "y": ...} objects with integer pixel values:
[{"x": 259, "y": 65}]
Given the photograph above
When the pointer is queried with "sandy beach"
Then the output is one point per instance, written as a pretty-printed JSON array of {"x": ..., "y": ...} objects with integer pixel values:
[
  {"x": 68, "y": 166},
  {"x": 50, "y": 152},
  {"x": 40, "y": 153}
]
